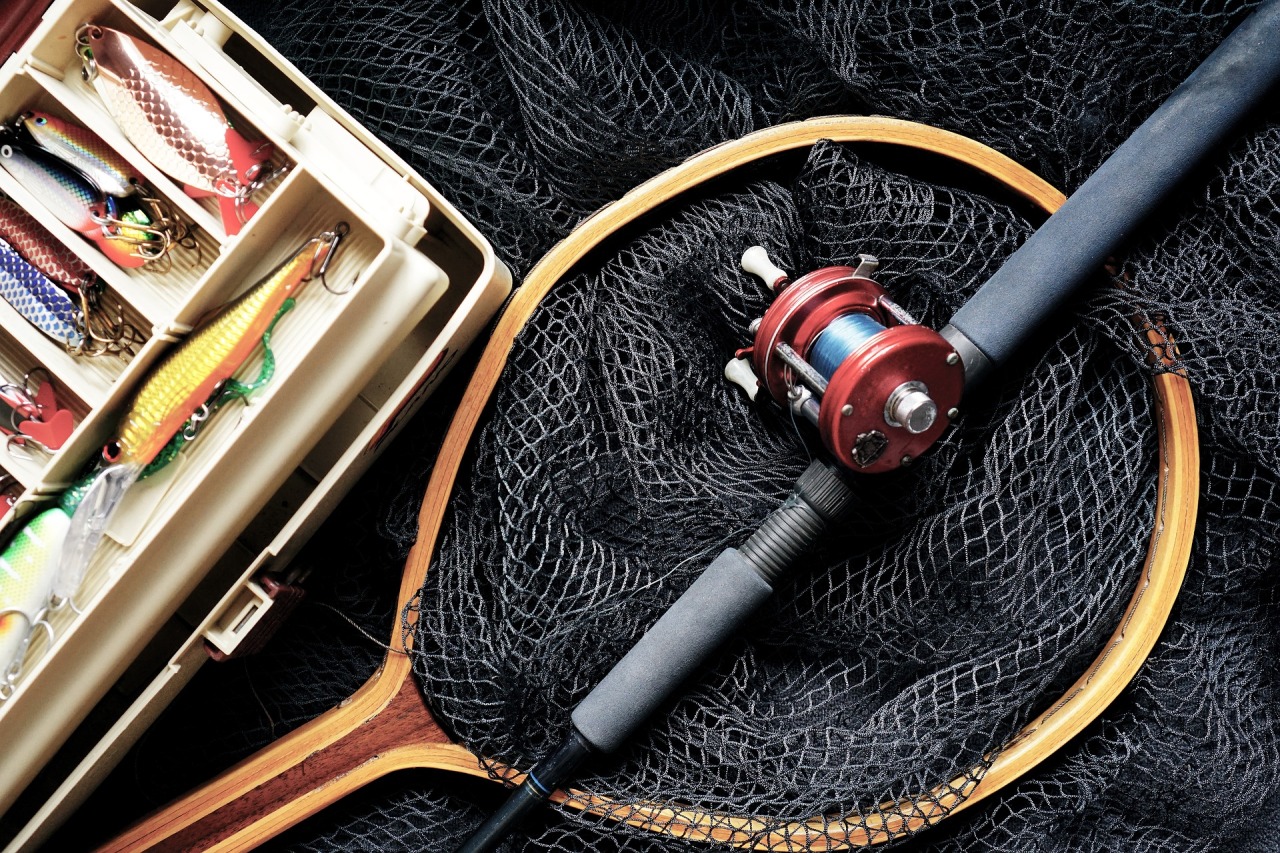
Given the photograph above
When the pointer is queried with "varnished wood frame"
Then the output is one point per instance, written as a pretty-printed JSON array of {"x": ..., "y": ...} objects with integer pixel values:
[{"x": 385, "y": 726}]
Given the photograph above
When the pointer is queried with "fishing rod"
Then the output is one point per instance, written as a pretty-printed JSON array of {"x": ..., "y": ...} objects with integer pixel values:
[{"x": 881, "y": 388}]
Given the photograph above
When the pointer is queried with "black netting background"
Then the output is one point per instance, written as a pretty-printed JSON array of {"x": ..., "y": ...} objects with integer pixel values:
[{"x": 615, "y": 461}]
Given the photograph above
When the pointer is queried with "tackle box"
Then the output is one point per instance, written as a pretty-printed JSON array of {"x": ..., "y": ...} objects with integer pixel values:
[{"x": 183, "y": 572}]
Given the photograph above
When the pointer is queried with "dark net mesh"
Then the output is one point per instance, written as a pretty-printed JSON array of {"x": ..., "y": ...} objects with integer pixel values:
[
  {"x": 967, "y": 592},
  {"x": 618, "y": 461}
]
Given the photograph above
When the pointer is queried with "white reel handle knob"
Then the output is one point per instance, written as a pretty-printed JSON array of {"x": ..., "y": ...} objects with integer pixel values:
[
  {"x": 739, "y": 372},
  {"x": 756, "y": 261}
]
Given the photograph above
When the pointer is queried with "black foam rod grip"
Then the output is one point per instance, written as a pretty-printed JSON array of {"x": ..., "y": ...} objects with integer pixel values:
[
  {"x": 708, "y": 612},
  {"x": 1074, "y": 242}
]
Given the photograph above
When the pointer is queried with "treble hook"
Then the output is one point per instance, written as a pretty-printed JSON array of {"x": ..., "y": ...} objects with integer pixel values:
[
  {"x": 229, "y": 185},
  {"x": 331, "y": 239},
  {"x": 9, "y": 679},
  {"x": 24, "y": 441},
  {"x": 147, "y": 240},
  {"x": 20, "y": 403},
  {"x": 26, "y": 395},
  {"x": 57, "y": 602},
  {"x": 115, "y": 338},
  {"x": 165, "y": 219},
  {"x": 254, "y": 173}
]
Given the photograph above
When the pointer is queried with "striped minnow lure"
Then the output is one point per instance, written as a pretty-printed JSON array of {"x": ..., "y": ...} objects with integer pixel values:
[
  {"x": 38, "y": 299},
  {"x": 28, "y": 567},
  {"x": 196, "y": 374},
  {"x": 21, "y": 231},
  {"x": 83, "y": 149},
  {"x": 173, "y": 118},
  {"x": 72, "y": 198}
]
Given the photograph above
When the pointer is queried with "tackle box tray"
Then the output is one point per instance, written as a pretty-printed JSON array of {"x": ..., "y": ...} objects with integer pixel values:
[{"x": 185, "y": 571}]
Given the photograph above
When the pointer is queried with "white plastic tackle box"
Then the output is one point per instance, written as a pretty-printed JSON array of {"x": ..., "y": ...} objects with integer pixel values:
[{"x": 182, "y": 572}]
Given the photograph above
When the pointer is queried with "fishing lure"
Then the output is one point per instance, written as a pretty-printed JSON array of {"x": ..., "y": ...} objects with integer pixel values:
[
  {"x": 83, "y": 149},
  {"x": 177, "y": 123},
  {"x": 33, "y": 417},
  {"x": 85, "y": 329},
  {"x": 64, "y": 268},
  {"x": 38, "y": 299},
  {"x": 21, "y": 231},
  {"x": 27, "y": 570},
  {"x": 78, "y": 203},
  {"x": 183, "y": 388}
]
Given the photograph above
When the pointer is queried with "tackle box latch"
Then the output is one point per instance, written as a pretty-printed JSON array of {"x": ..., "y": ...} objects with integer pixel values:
[{"x": 252, "y": 618}]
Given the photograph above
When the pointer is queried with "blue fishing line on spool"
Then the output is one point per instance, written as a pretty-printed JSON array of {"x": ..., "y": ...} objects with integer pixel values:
[{"x": 839, "y": 340}]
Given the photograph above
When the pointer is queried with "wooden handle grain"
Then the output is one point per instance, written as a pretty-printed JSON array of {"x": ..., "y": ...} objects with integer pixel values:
[{"x": 374, "y": 733}]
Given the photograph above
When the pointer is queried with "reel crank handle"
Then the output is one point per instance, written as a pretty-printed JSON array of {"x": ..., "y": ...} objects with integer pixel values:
[{"x": 1075, "y": 241}]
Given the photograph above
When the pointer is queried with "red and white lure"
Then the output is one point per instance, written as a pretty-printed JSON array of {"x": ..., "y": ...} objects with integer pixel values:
[
  {"x": 31, "y": 416},
  {"x": 87, "y": 329},
  {"x": 177, "y": 123}
]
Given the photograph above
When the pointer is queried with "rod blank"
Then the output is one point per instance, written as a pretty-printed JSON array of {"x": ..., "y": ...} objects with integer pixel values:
[{"x": 1075, "y": 242}]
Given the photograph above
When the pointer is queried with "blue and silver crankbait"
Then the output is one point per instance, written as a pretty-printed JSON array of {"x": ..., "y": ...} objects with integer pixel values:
[
  {"x": 85, "y": 150},
  {"x": 38, "y": 299},
  {"x": 79, "y": 204}
]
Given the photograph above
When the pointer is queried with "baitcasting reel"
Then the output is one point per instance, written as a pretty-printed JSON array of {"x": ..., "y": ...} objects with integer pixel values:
[{"x": 836, "y": 350}]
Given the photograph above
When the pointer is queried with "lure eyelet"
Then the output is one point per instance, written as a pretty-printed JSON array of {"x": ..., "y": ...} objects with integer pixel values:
[{"x": 85, "y": 35}]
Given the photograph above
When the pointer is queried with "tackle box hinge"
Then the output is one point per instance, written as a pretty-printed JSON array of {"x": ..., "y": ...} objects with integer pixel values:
[{"x": 252, "y": 618}]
